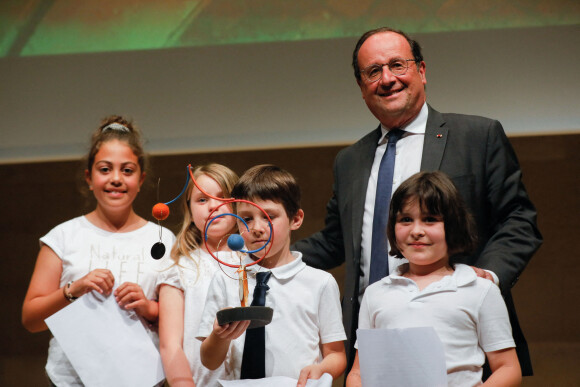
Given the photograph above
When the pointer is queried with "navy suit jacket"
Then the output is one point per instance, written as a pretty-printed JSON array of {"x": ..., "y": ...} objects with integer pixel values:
[{"x": 477, "y": 156}]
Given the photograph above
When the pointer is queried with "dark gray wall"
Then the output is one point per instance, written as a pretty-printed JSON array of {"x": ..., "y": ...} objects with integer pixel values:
[{"x": 256, "y": 96}]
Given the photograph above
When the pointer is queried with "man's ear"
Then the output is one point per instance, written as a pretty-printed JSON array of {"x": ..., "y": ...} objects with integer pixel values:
[
  {"x": 423, "y": 72},
  {"x": 360, "y": 85},
  {"x": 297, "y": 220}
]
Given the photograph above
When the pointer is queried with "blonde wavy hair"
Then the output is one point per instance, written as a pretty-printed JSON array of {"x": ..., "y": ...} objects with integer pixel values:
[{"x": 190, "y": 238}]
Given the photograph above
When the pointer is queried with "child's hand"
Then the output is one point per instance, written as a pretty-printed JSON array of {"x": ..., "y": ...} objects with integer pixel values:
[
  {"x": 482, "y": 273},
  {"x": 99, "y": 280},
  {"x": 309, "y": 372},
  {"x": 214, "y": 348},
  {"x": 230, "y": 331},
  {"x": 129, "y": 295}
]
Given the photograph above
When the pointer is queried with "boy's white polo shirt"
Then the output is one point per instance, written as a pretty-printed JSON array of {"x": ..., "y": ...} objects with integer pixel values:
[
  {"x": 467, "y": 312},
  {"x": 307, "y": 313}
]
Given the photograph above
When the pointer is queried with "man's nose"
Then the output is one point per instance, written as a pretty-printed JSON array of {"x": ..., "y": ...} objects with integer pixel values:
[{"x": 387, "y": 76}]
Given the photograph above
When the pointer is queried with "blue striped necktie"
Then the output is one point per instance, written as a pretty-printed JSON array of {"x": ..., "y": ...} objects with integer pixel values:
[{"x": 379, "y": 250}]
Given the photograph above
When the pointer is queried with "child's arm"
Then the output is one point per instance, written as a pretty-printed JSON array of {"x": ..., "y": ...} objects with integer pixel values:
[
  {"x": 353, "y": 379},
  {"x": 333, "y": 362},
  {"x": 505, "y": 368},
  {"x": 214, "y": 348},
  {"x": 45, "y": 296},
  {"x": 171, "y": 317}
]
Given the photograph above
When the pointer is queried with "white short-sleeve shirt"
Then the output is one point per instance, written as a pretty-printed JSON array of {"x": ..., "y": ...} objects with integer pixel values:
[
  {"x": 467, "y": 313},
  {"x": 83, "y": 247},
  {"x": 307, "y": 314}
]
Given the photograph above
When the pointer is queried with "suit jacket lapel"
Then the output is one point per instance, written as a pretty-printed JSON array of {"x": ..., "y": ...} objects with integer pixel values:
[
  {"x": 360, "y": 183},
  {"x": 435, "y": 141}
]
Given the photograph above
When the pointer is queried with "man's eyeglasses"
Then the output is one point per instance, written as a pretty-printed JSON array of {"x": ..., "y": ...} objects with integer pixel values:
[{"x": 397, "y": 66}]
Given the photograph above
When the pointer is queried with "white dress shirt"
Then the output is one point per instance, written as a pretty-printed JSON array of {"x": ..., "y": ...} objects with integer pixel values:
[{"x": 407, "y": 163}]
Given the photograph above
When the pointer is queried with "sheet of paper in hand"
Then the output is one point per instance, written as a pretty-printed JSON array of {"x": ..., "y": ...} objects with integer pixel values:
[
  {"x": 107, "y": 345},
  {"x": 401, "y": 357}
]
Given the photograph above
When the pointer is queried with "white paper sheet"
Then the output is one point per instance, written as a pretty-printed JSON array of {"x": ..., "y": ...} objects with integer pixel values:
[
  {"x": 401, "y": 357},
  {"x": 278, "y": 381},
  {"x": 107, "y": 346}
]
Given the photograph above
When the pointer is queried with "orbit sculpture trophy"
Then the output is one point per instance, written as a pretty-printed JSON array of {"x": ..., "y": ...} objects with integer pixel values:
[{"x": 258, "y": 315}]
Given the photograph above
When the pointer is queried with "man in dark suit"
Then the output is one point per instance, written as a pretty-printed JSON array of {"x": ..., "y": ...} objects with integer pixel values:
[{"x": 473, "y": 151}]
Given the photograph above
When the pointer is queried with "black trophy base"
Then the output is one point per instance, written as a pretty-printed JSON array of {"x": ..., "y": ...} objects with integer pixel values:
[{"x": 258, "y": 315}]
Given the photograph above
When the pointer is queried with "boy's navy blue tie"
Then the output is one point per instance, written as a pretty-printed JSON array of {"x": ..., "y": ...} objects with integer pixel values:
[
  {"x": 379, "y": 250},
  {"x": 254, "y": 357}
]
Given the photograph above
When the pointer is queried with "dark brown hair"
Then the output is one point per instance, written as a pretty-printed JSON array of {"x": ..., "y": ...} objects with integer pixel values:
[
  {"x": 436, "y": 195},
  {"x": 111, "y": 128},
  {"x": 269, "y": 182},
  {"x": 415, "y": 47}
]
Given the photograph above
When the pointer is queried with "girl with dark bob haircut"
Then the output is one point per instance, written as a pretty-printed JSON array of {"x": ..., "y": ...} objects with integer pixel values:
[
  {"x": 437, "y": 196},
  {"x": 428, "y": 225}
]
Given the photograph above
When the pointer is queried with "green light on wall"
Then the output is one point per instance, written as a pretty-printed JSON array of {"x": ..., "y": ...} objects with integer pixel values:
[{"x": 37, "y": 27}]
